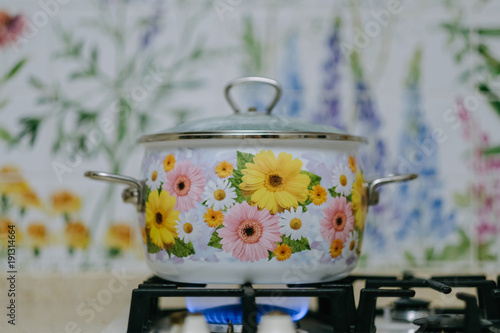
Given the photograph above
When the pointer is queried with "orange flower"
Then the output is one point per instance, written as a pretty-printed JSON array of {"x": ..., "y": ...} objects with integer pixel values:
[
  {"x": 352, "y": 164},
  {"x": 318, "y": 195},
  {"x": 213, "y": 218},
  {"x": 37, "y": 234},
  {"x": 119, "y": 236},
  {"x": 65, "y": 202},
  {"x": 224, "y": 169},
  {"x": 336, "y": 248},
  {"x": 169, "y": 163},
  {"x": 77, "y": 235},
  {"x": 282, "y": 252}
]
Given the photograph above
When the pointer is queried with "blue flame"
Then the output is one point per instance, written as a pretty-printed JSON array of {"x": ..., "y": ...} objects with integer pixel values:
[{"x": 234, "y": 312}]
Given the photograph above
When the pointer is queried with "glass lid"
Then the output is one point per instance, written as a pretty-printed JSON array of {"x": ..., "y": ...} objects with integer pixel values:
[{"x": 251, "y": 124}]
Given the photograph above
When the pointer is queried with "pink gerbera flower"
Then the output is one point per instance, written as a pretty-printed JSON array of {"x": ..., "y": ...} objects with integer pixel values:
[
  {"x": 338, "y": 221},
  {"x": 249, "y": 233},
  {"x": 186, "y": 183}
]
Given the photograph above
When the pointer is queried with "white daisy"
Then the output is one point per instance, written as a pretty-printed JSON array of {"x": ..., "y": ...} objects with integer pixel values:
[
  {"x": 352, "y": 243},
  {"x": 188, "y": 227},
  {"x": 155, "y": 175},
  {"x": 292, "y": 223},
  {"x": 219, "y": 195},
  {"x": 342, "y": 179}
]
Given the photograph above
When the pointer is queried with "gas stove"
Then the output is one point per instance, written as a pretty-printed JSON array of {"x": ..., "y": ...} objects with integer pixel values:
[{"x": 336, "y": 311}]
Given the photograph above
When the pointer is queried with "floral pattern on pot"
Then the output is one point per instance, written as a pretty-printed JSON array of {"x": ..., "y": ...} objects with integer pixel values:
[{"x": 254, "y": 207}]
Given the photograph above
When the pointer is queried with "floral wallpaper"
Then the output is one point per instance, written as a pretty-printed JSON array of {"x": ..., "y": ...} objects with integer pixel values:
[{"x": 81, "y": 81}]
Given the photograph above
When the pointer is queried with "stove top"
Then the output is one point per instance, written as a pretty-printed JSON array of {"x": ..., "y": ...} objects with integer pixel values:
[{"x": 337, "y": 311}]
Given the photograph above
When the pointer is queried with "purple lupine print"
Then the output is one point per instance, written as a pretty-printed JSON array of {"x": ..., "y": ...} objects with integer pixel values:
[
  {"x": 421, "y": 215},
  {"x": 329, "y": 112},
  {"x": 482, "y": 195}
]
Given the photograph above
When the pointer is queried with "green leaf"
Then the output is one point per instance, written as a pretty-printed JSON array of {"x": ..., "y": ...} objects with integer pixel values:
[
  {"x": 235, "y": 183},
  {"x": 215, "y": 239},
  {"x": 491, "y": 151},
  {"x": 36, "y": 83},
  {"x": 30, "y": 129},
  {"x": 296, "y": 245},
  {"x": 315, "y": 179},
  {"x": 484, "y": 252},
  {"x": 271, "y": 255},
  {"x": 5, "y": 135},
  {"x": 333, "y": 193},
  {"x": 14, "y": 70},
  {"x": 410, "y": 258},
  {"x": 429, "y": 254},
  {"x": 85, "y": 117},
  {"x": 242, "y": 159},
  {"x": 152, "y": 248},
  {"x": 181, "y": 249}
]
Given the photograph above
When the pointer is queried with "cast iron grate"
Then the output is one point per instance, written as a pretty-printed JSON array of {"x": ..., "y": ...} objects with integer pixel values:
[{"x": 342, "y": 314}]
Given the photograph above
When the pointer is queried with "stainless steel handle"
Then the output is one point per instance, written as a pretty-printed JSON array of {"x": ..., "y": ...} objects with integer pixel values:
[
  {"x": 253, "y": 79},
  {"x": 134, "y": 194},
  {"x": 372, "y": 193}
]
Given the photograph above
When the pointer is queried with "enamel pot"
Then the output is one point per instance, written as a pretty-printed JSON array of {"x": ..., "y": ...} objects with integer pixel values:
[{"x": 251, "y": 197}]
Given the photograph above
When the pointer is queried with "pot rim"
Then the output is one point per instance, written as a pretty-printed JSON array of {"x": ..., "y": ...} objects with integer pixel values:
[{"x": 249, "y": 134}]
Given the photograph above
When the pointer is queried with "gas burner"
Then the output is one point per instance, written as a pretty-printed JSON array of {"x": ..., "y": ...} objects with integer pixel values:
[
  {"x": 470, "y": 322},
  {"x": 336, "y": 311},
  {"x": 409, "y": 309},
  {"x": 449, "y": 323}
]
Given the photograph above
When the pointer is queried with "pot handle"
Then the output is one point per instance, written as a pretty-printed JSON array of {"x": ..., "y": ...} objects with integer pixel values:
[
  {"x": 133, "y": 194},
  {"x": 372, "y": 193},
  {"x": 253, "y": 79}
]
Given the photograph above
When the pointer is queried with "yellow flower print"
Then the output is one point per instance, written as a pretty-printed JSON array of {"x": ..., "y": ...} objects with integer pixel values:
[
  {"x": 169, "y": 162},
  {"x": 224, "y": 169},
  {"x": 274, "y": 183},
  {"x": 161, "y": 218},
  {"x": 359, "y": 201},
  {"x": 336, "y": 248},
  {"x": 318, "y": 195},
  {"x": 213, "y": 218},
  {"x": 77, "y": 235},
  {"x": 282, "y": 252}
]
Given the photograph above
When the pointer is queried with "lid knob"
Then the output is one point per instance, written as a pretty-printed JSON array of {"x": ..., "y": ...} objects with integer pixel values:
[{"x": 253, "y": 79}]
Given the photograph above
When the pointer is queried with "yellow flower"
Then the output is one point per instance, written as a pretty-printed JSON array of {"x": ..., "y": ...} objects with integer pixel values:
[
  {"x": 336, "y": 248},
  {"x": 169, "y": 163},
  {"x": 37, "y": 234},
  {"x": 65, "y": 202},
  {"x": 274, "y": 183},
  {"x": 27, "y": 198},
  {"x": 144, "y": 236},
  {"x": 352, "y": 164},
  {"x": 5, "y": 222},
  {"x": 359, "y": 201},
  {"x": 12, "y": 181},
  {"x": 161, "y": 218},
  {"x": 77, "y": 235},
  {"x": 282, "y": 252},
  {"x": 119, "y": 236},
  {"x": 224, "y": 169},
  {"x": 318, "y": 195},
  {"x": 213, "y": 218}
]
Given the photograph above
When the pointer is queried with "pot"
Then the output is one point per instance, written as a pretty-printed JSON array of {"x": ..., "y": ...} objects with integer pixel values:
[{"x": 251, "y": 197}]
